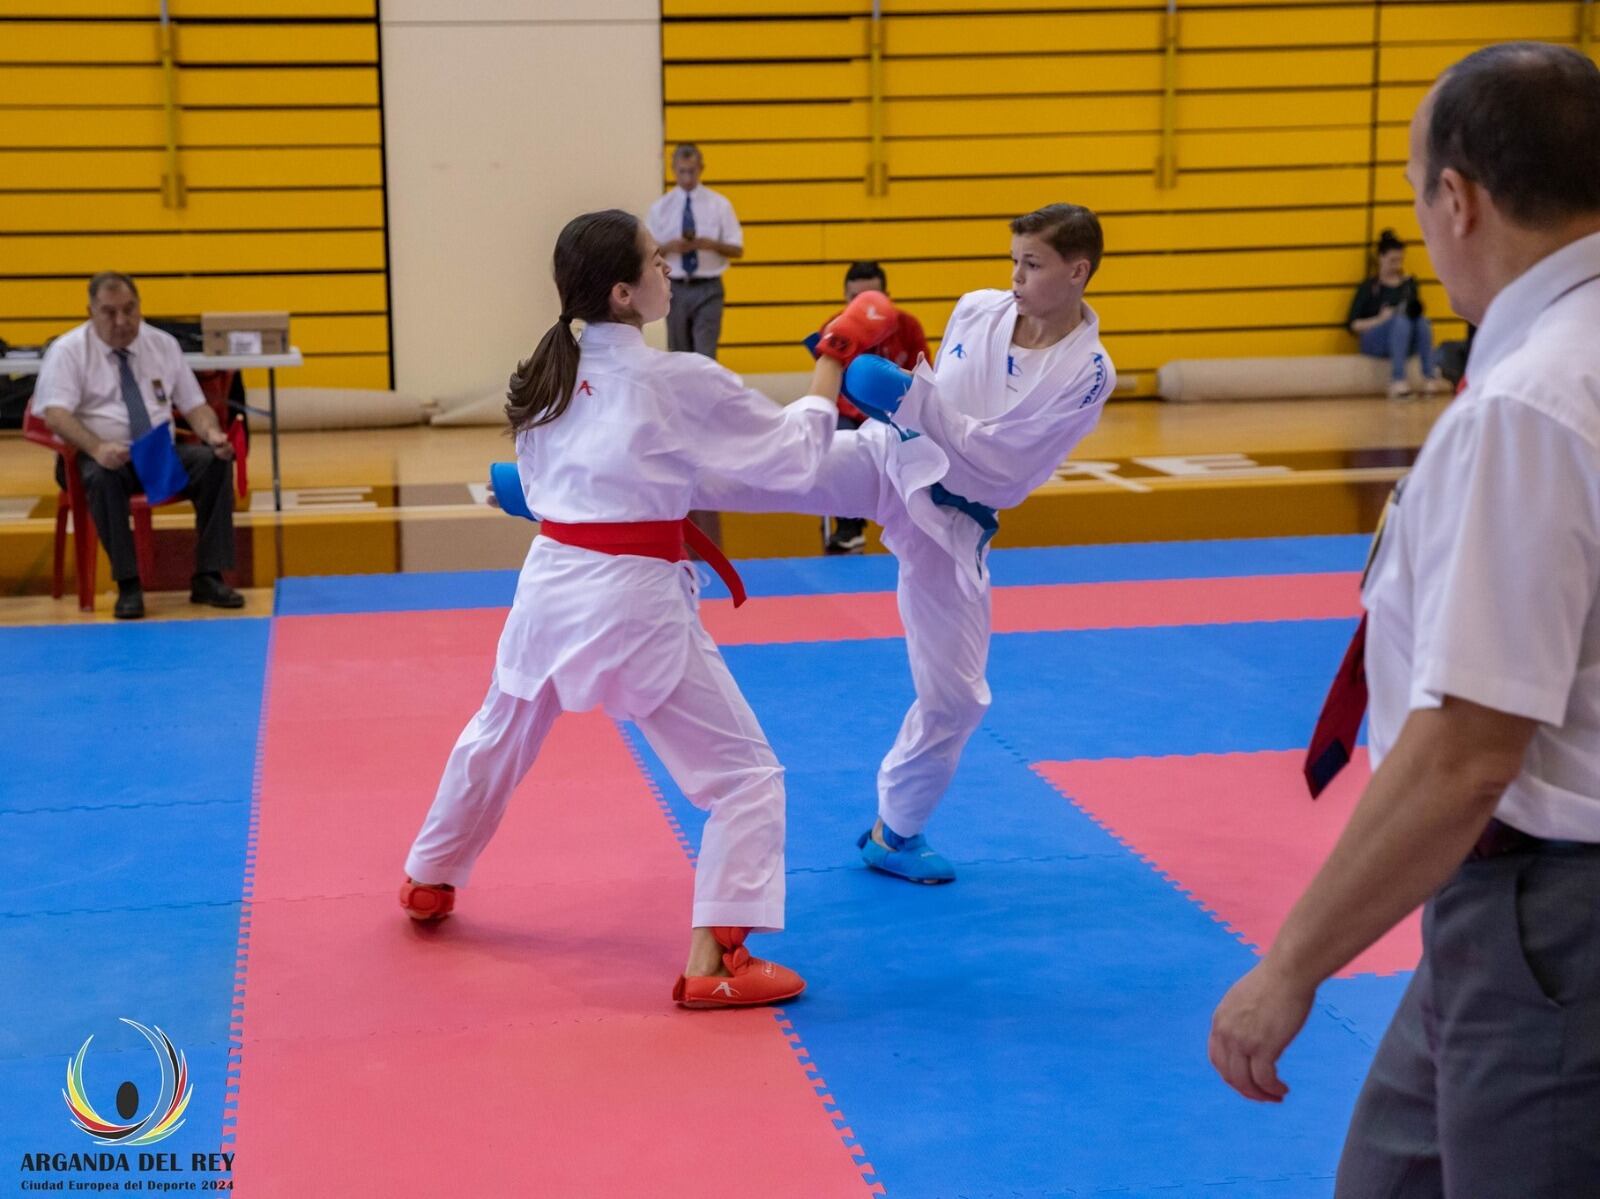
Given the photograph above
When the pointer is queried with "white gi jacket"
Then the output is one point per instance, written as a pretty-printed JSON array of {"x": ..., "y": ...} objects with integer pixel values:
[
  {"x": 991, "y": 429},
  {"x": 614, "y": 631}
]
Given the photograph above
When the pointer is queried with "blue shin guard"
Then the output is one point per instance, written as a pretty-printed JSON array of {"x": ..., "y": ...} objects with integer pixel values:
[
  {"x": 876, "y": 386},
  {"x": 909, "y": 858}
]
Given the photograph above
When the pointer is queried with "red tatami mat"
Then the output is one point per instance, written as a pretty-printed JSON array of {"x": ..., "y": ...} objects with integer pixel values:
[
  {"x": 1047, "y": 608},
  {"x": 527, "y": 1046},
  {"x": 1236, "y": 831}
]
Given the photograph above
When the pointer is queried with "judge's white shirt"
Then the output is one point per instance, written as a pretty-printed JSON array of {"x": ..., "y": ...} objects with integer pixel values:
[
  {"x": 713, "y": 217},
  {"x": 1485, "y": 579},
  {"x": 644, "y": 425},
  {"x": 81, "y": 374}
]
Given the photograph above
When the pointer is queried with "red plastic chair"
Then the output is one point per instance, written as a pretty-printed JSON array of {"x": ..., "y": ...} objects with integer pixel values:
[
  {"x": 215, "y": 386},
  {"x": 73, "y": 500}
]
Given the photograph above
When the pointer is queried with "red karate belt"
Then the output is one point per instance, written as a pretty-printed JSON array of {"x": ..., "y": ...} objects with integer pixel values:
[{"x": 664, "y": 539}]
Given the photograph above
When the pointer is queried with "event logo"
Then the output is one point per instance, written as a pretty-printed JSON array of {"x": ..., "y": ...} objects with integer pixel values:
[{"x": 165, "y": 1116}]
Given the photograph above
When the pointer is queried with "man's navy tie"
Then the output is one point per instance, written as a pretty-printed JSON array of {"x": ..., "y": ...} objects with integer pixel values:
[{"x": 691, "y": 258}]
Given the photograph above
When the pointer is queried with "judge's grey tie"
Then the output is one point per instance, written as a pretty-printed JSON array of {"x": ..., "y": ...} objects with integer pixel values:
[{"x": 138, "y": 414}]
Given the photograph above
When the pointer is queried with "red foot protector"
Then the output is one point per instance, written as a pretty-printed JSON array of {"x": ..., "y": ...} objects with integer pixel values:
[
  {"x": 751, "y": 982},
  {"x": 424, "y": 901},
  {"x": 1235, "y": 831},
  {"x": 528, "y": 1044},
  {"x": 1047, "y": 608}
]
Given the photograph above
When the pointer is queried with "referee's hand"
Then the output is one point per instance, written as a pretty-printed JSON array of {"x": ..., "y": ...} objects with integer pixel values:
[{"x": 1253, "y": 1025}]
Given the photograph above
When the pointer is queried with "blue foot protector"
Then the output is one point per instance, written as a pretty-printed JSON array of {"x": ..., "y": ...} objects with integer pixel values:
[
  {"x": 507, "y": 485},
  {"x": 909, "y": 858},
  {"x": 875, "y": 385}
]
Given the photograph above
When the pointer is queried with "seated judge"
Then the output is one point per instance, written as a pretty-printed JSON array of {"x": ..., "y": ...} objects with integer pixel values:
[{"x": 105, "y": 384}]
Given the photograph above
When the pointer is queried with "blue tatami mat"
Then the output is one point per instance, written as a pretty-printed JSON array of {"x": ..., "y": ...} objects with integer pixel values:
[
  {"x": 1122, "y": 693},
  {"x": 1057, "y": 696},
  {"x": 125, "y": 791},
  {"x": 1039, "y": 1028},
  {"x": 1366, "y": 1002},
  {"x": 117, "y": 715},
  {"x": 332, "y": 594}
]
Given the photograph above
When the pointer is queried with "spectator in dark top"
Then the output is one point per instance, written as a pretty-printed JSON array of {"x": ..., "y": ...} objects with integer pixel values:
[
  {"x": 903, "y": 347},
  {"x": 1386, "y": 315}
]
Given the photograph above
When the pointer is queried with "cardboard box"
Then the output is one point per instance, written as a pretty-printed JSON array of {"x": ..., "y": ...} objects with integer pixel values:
[{"x": 245, "y": 332}]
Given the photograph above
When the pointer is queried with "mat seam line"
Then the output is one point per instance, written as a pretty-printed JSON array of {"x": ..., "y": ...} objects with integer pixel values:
[
  {"x": 241, "y": 963},
  {"x": 830, "y": 1106},
  {"x": 1156, "y": 869},
  {"x": 1187, "y": 895},
  {"x": 657, "y": 794},
  {"x": 121, "y": 807}
]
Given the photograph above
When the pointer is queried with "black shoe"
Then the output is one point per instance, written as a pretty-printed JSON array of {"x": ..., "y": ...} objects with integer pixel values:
[
  {"x": 208, "y": 589},
  {"x": 130, "y": 605},
  {"x": 849, "y": 537}
]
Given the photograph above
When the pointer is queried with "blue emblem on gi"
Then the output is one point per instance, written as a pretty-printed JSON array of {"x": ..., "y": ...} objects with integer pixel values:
[
  {"x": 957, "y": 352},
  {"x": 1012, "y": 369}
]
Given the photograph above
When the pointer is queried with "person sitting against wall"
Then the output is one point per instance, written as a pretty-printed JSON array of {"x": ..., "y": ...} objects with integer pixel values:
[{"x": 1386, "y": 315}]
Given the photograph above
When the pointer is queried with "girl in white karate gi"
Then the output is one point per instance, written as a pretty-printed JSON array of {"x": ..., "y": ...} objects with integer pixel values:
[
  {"x": 1020, "y": 378},
  {"x": 611, "y": 437}
]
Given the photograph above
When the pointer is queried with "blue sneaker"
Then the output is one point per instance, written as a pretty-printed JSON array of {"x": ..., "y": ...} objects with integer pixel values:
[{"x": 910, "y": 858}]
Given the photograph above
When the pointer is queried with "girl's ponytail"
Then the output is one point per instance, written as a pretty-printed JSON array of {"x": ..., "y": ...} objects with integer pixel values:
[
  {"x": 594, "y": 253},
  {"x": 541, "y": 388}
]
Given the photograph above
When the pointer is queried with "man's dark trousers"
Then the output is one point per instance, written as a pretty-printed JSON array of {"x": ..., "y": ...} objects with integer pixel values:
[{"x": 210, "y": 488}]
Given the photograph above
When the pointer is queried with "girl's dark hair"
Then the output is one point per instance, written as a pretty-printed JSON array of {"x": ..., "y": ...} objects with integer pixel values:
[
  {"x": 594, "y": 253},
  {"x": 1387, "y": 241}
]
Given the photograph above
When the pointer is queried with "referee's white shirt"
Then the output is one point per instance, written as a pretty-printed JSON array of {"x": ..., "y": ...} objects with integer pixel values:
[
  {"x": 1485, "y": 580},
  {"x": 713, "y": 218},
  {"x": 81, "y": 374}
]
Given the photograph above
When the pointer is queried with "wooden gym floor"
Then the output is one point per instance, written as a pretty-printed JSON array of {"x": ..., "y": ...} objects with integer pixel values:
[{"x": 402, "y": 500}]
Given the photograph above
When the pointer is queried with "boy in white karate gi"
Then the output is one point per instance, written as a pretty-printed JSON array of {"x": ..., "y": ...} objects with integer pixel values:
[{"x": 1020, "y": 379}]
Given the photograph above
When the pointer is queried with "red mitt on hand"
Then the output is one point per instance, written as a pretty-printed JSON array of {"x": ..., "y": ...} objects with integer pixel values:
[{"x": 867, "y": 321}]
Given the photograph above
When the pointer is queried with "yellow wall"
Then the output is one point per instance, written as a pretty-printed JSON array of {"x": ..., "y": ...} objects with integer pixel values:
[
  {"x": 1291, "y": 118},
  {"x": 281, "y": 143}
]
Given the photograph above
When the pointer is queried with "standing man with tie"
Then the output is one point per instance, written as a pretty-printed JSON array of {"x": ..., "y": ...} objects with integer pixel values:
[
  {"x": 104, "y": 385},
  {"x": 699, "y": 233},
  {"x": 1483, "y": 659}
]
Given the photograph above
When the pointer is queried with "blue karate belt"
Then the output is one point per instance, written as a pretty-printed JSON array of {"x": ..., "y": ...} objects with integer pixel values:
[{"x": 988, "y": 519}]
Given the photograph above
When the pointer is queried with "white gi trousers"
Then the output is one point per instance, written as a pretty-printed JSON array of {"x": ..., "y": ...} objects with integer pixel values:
[
  {"x": 947, "y": 625},
  {"x": 709, "y": 740}
]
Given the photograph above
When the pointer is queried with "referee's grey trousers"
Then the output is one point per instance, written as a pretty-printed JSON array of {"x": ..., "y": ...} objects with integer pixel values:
[
  {"x": 1487, "y": 1084},
  {"x": 695, "y": 322}
]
